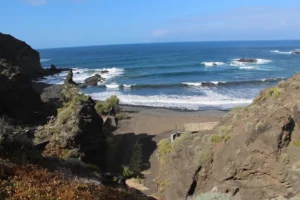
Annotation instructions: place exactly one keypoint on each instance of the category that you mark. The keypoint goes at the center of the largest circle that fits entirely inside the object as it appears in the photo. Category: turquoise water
(179, 75)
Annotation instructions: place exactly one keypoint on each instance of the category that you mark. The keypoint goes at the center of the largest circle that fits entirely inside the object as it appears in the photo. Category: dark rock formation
(92, 81)
(104, 71)
(296, 52)
(247, 60)
(69, 78)
(22, 55)
(17, 98)
(251, 149)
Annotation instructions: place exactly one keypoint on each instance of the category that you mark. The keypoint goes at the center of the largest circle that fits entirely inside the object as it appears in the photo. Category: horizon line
(140, 43)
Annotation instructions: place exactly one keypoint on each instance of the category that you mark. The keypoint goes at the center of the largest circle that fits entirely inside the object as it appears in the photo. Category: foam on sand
(211, 100)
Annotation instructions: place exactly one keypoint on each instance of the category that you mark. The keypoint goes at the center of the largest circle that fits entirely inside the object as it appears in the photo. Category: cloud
(234, 24)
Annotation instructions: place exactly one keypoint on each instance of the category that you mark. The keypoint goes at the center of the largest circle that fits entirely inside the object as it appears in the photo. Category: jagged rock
(296, 52)
(104, 71)
(77, 132)
(22, 55)
(93, 80)
(18, 100)
(69, 78)
(248, 60)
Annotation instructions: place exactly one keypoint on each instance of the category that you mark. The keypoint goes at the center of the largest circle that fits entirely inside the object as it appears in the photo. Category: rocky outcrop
(296, 52)
(76, 132)
(247, 60)
(254, 151)
(22, 55)
(17, 98)
(69, 78)
(92, 81)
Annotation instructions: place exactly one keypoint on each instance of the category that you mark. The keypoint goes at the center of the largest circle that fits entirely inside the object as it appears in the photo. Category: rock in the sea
(20, 54)
(296, 52)
(104, 71)
(93, 80)
(248, 60)
(69, 78)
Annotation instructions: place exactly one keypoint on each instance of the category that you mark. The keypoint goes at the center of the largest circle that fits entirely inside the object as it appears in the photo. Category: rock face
(247, 60)
(76, 132)
(17, 99)
(22, 55)
(255, 151)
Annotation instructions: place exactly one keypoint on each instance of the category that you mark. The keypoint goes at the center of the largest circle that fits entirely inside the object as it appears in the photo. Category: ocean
(185, 76)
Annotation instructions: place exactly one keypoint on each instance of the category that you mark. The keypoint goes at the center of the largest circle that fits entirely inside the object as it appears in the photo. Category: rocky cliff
(17, 99)
(252, 154)
(22, 55)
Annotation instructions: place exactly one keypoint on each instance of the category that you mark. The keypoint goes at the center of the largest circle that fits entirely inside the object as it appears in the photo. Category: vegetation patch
(220, 138)
(284, 158)
(136, 158)
(204, 157)
(224, 130)
(164, 148)
(183, 140)
(121, 116)
(297, 143)
(273, 92)
(104, 107)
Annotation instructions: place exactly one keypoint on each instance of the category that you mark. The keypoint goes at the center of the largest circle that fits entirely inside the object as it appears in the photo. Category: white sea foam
(281, 52)
(80, 74)
(44, 60)
(210, 100)
(112, 86)
(211, 64)
(127, 86)
(248, 67)
(260, 61)
(192, 84)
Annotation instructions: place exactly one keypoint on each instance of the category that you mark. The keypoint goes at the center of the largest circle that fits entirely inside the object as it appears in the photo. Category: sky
(68, 23)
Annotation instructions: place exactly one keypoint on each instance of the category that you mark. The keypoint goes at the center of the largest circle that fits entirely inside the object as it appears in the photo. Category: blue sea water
(192, 76)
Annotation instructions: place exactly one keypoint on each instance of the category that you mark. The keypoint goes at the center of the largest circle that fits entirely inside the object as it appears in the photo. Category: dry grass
(164, 148)
(32, 182)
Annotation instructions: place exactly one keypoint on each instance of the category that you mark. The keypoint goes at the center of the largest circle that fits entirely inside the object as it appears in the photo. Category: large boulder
(22, 55)
(92, 81)
(17, 98)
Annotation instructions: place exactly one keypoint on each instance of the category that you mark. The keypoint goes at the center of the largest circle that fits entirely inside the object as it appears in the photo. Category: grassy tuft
(164, 148)
(297, 143)
(182, 141)
(204, 157)
(220, 138)
(274, 91)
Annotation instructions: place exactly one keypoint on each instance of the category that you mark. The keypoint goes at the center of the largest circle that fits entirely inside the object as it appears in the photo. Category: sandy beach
(157, 121)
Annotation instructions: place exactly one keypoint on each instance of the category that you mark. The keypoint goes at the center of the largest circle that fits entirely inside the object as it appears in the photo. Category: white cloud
(160, 32)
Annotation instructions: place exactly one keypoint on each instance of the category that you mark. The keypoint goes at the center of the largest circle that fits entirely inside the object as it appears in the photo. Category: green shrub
(223, 130)
(121, 116)
(136, 158)
(107, 105)
(297, 143)
(182, 141)
(127, 172)
(220, 138)
(274, 91)
(204, 157)
(92, 167)
(164, 148)
(210, 196)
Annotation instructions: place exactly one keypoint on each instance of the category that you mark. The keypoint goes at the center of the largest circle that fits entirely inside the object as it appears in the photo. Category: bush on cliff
(106, 106)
